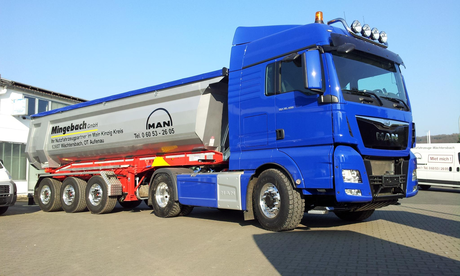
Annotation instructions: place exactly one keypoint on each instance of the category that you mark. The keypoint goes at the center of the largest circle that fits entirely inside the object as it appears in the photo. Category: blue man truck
(308, 118)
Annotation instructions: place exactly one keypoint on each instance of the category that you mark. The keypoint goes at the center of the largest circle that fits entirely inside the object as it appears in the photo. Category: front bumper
(8, 193)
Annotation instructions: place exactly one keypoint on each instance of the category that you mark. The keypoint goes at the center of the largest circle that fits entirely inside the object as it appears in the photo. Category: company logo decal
(158, 119)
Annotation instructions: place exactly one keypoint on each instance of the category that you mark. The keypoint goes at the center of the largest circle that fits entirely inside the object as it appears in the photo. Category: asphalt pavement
(419, 237)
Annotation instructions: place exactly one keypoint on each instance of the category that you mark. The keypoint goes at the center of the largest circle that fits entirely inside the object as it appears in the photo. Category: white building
(18, 101)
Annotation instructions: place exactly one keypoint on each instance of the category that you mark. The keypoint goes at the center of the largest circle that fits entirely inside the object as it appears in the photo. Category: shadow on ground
(334, 252)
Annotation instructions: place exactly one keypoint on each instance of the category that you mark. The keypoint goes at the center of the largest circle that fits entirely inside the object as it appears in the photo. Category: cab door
(300, 119)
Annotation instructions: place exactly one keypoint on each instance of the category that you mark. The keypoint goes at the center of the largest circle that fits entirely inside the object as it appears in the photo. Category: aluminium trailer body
(114, 143)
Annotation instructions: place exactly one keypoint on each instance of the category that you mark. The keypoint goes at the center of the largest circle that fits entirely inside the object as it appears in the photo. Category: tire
(424, 187)
(277, 206)
(354, 216)
(185, 210)
(3, 209)
(129, 204)
(96, 195)
(73, 195)
(49, 195)
(162, 194)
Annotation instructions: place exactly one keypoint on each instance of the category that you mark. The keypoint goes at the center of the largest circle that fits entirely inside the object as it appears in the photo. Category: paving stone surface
(419, 237)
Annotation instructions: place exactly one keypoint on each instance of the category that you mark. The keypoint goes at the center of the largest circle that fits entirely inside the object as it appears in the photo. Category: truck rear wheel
(162, 194)
(354, 216)
(48, 195)
(277, 206)
(97, 197)
(73, 195)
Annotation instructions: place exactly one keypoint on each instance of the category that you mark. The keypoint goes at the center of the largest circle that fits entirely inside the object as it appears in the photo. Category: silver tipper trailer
(187, 115)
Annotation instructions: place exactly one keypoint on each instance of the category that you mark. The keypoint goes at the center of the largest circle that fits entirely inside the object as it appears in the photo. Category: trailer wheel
(48, 195)
(185, 210)
(3, 209)
(97, 198)
(73, 195)
(354, 216)
(129, 204)
(162, 193)
(277, 206)
(424, 187)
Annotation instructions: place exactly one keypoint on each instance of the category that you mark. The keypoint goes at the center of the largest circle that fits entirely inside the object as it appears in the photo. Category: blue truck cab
(323, 107)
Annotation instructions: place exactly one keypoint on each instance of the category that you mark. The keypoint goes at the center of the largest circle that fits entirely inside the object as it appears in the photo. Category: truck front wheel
(162, 197)
(48, 195)
(73, 195)
(97, 197)
(354, 216)
(277, 206)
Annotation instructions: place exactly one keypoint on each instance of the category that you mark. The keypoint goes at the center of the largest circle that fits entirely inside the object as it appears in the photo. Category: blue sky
(92, 49)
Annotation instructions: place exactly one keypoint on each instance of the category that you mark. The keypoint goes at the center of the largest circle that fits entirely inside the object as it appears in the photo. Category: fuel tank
(181, 116)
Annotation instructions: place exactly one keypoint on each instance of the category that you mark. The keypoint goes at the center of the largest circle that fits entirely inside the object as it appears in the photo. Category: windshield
(372, 76)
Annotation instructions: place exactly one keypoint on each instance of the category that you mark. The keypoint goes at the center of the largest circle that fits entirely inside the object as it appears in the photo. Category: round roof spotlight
(383, 37)
(375, 34)
(366, 31)
(356, 27)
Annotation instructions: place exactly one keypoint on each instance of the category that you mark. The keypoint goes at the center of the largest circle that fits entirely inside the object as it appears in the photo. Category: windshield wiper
(396, 100)
(366, 94)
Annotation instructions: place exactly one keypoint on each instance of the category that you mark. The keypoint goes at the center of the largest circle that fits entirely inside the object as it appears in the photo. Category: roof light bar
(364, 32)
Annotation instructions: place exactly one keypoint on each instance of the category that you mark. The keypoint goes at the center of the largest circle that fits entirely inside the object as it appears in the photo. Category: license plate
(391, 181)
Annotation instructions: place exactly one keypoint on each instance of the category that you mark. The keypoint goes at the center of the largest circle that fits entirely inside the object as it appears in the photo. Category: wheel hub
(69, 194)
(95, 194)
(269, 200)
(162, 195)
(45, 194)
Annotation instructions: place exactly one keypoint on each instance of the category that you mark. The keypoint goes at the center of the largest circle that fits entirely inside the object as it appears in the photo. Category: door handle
(280, 134)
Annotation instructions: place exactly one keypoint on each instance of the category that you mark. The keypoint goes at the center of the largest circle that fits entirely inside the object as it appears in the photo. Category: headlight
(383, 37)
(356, 27)
(366, 31)
(351, 176)
(375, 34)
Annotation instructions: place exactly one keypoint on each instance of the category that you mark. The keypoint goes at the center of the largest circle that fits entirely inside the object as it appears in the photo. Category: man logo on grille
(386, 137)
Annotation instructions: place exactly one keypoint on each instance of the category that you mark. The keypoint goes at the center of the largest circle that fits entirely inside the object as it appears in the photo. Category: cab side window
(284, 77)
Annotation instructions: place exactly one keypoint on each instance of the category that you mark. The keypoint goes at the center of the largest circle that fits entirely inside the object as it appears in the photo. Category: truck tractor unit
(308, 118)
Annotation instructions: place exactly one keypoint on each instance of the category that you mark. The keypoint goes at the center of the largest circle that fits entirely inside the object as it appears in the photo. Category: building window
(37, 105)
(14, 159)
(30, 105)
(56, 105)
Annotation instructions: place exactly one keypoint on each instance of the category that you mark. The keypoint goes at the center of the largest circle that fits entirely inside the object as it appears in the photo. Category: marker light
(383, 37)
(356, 27)
(375, 34)
(351, 176)
(319, 17)
(366, 31)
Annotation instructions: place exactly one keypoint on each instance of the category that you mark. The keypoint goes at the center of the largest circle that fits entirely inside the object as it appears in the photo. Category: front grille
(3, 201)
(383, 134)
(4, 189)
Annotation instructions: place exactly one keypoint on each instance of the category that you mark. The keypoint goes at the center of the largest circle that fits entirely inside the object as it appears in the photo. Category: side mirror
(313, 70)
